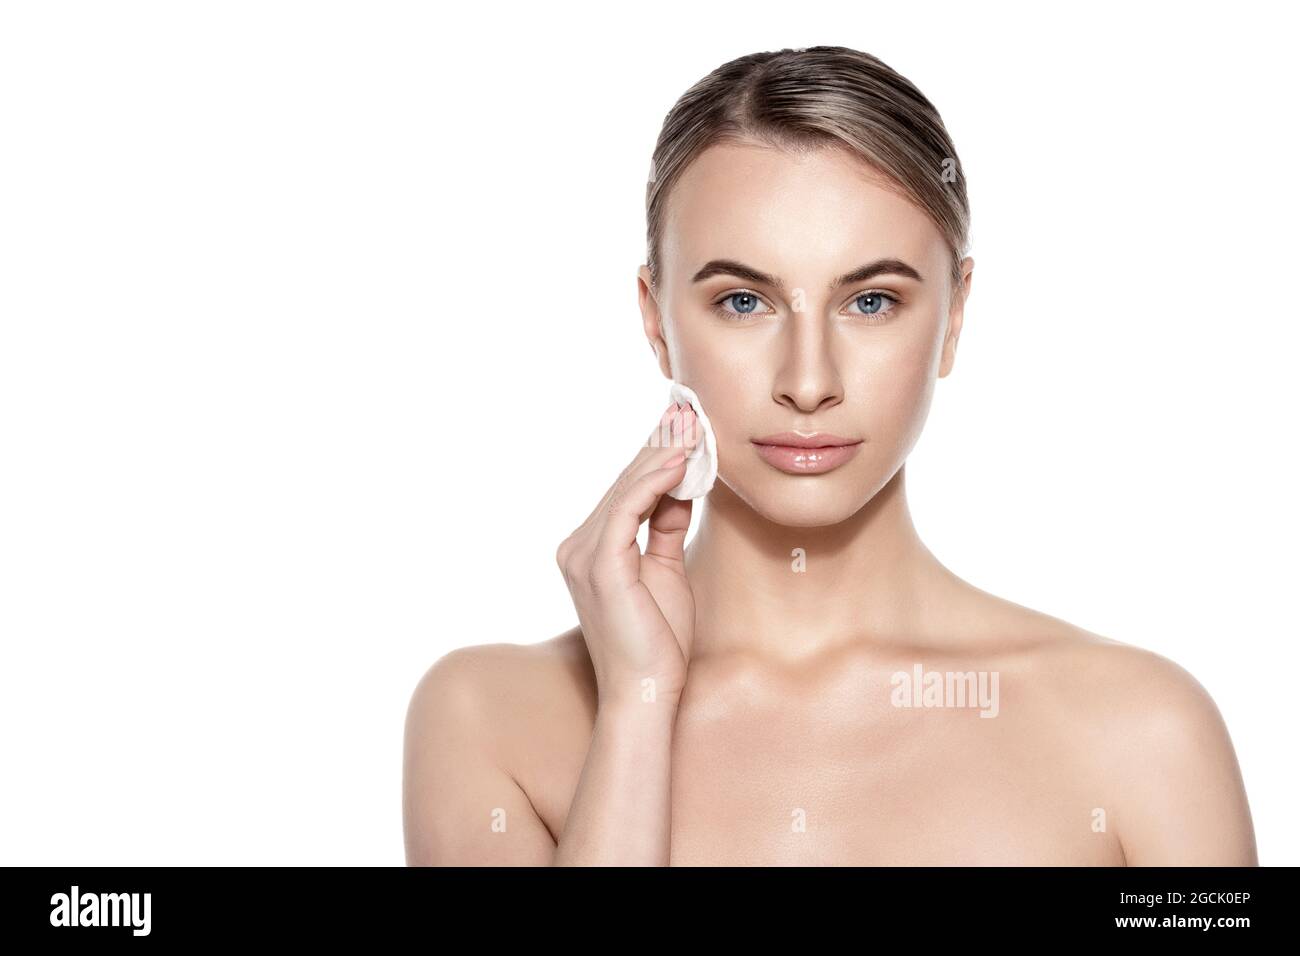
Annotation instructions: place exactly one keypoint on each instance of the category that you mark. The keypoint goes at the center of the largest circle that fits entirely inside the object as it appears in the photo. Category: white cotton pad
(702, 460)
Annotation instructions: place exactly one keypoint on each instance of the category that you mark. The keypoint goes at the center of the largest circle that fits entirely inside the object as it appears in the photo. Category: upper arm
(459, 806)
(1183, 802)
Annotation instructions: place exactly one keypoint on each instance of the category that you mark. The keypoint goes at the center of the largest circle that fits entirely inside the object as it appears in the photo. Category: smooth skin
(715, 705)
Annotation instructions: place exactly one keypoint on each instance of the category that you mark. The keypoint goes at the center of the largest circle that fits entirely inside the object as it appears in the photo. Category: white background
(300, 302)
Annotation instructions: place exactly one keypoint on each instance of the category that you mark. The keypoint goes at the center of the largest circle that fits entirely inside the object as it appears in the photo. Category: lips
(814, 454)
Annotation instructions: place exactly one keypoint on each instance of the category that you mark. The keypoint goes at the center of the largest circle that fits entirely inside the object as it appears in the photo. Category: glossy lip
(811, 440)
(813, 454)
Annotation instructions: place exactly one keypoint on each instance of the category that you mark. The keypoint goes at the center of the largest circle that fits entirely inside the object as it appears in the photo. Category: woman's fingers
(606, 542)
(626, 511)
(671, 518)
(639, 498)
(657, 449)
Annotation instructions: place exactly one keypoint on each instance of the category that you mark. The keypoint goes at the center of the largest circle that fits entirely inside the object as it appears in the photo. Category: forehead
(804, 216)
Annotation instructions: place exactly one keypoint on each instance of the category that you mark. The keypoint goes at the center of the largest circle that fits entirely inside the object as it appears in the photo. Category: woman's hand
(636, 610)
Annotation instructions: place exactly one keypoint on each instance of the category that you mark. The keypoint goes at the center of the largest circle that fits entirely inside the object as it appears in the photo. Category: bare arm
(1184, 802)
(620, 814)
(463, 807)
(460, 807)
(638, 618)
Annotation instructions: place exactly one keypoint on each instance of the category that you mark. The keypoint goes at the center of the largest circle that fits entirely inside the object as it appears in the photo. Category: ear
(956, 311)
(652, 322)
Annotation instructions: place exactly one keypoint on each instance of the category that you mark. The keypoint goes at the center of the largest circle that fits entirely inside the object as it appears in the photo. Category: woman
(806, 683)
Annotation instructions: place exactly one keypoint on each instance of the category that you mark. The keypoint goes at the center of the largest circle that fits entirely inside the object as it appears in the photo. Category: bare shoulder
(501, 690)
(1088, 673)
(1125, 687)
(480, 722)
(480, 675)
(1153, 734)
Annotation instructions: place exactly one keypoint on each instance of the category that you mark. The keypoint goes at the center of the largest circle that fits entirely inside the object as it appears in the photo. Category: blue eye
(875, 304)
(744, 304)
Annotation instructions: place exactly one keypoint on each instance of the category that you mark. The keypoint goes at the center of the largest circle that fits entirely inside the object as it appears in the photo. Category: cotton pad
(702, 460)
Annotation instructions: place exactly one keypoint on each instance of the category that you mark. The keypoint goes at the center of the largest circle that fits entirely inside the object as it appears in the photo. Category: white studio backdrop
(301, 304)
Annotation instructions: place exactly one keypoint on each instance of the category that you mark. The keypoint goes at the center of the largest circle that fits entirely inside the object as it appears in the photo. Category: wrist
(636, 707)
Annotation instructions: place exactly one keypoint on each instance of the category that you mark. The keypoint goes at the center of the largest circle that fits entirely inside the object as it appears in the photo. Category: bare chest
(826, 786)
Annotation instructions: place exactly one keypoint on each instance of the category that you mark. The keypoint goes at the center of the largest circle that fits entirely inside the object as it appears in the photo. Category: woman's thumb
(669, 523)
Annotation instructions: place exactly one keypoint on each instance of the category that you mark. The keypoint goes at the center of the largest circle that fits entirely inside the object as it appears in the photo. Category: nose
(808, 379)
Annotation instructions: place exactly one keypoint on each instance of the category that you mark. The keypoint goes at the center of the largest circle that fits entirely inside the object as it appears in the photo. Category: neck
(869, 577)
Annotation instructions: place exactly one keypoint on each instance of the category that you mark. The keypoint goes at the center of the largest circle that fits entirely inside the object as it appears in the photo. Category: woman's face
(765, 312)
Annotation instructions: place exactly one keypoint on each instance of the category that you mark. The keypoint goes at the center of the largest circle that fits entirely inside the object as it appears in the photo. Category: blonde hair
(809, 98)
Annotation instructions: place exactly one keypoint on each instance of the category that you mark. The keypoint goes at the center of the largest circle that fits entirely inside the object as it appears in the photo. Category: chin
(801, 502)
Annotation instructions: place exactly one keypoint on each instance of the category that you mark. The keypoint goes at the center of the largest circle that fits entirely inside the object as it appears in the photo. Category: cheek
(721, 372)
(894, 387)
(909, 374)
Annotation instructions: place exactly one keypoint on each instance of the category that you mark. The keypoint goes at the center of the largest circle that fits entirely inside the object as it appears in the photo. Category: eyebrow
(861, 274)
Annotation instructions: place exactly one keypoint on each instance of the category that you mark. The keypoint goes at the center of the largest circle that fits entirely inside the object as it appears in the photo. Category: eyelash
(871, 318)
